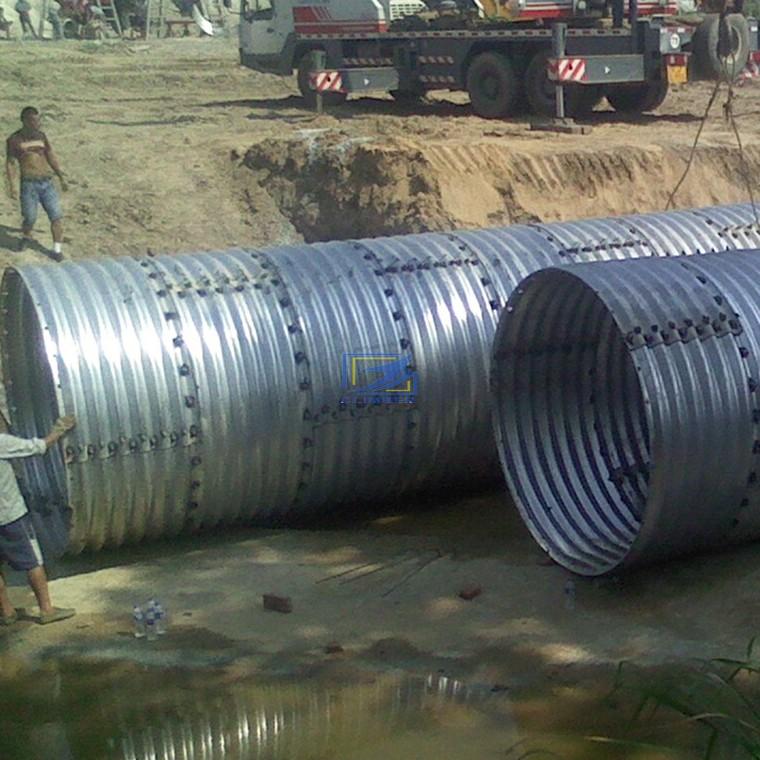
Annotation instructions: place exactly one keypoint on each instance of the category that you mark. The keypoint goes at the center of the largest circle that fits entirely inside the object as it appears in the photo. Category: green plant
(721, 695)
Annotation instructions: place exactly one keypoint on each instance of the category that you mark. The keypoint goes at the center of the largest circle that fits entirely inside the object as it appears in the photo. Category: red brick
(277, 603)
(470, 592)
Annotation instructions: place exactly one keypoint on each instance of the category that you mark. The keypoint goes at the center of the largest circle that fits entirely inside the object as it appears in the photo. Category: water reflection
(292, 722)
(132, 714)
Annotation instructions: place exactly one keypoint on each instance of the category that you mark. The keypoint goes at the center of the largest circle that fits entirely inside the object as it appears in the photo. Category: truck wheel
(638, 98)
(709, 61)
(492, 85)
(539, 89)
(309, 96)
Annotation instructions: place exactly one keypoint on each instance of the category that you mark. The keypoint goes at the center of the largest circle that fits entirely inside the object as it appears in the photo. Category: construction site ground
(171, 146)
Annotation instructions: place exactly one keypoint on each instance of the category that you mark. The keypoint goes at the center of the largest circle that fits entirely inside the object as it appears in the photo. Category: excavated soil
(173, 146)
(330, 185)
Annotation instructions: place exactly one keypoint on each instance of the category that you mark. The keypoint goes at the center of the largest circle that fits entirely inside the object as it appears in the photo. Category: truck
(510, 56)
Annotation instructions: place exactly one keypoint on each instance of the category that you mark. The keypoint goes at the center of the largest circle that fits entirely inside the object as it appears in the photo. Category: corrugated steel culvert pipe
(209, 387)
(627, 407)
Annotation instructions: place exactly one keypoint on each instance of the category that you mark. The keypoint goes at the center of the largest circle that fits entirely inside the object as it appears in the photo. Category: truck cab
(270, 29)
(266, 29)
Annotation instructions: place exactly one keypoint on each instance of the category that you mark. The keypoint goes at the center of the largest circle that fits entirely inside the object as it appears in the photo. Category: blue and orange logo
(374, 379)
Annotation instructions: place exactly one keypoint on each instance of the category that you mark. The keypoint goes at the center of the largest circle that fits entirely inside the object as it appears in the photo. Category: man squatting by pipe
(18, 542)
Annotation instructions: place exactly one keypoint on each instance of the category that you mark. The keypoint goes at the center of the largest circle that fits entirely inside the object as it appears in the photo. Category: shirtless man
(29, 147)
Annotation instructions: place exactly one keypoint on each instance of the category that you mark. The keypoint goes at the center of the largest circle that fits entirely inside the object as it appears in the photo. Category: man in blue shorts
(31, 150)
(18, 542)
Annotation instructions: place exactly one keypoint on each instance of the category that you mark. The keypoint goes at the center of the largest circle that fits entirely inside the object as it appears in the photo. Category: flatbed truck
(503, 53)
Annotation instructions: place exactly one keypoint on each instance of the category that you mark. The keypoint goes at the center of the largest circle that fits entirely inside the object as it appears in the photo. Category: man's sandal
(9, 619)
(58, 613)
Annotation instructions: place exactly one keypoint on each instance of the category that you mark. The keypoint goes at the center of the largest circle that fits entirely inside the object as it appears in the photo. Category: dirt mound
(330, 186)
(333, 186)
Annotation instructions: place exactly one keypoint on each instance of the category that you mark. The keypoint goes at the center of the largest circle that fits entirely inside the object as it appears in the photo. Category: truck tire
(492, 85)
(638, 98)
(539, 89)
(708, 60)
(309, 96)
(580, 100)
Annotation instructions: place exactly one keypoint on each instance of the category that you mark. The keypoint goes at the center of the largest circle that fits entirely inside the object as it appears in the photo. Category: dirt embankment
(330, 185)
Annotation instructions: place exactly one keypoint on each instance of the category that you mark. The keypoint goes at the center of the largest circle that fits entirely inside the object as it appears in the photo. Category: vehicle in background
(499, 51)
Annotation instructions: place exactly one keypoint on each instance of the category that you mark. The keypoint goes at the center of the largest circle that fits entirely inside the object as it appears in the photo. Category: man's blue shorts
(18, 544)
(34, 192)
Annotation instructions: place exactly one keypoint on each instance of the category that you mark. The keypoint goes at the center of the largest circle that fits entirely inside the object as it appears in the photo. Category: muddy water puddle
(74, 710)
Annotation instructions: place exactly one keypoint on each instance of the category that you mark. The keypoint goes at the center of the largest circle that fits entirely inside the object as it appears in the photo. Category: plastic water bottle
(139, 622)
(160, 619)
(150, 624)
(570, 595)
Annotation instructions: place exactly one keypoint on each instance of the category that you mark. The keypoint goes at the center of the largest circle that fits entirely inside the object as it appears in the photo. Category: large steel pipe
(627, 407)
(209, 387)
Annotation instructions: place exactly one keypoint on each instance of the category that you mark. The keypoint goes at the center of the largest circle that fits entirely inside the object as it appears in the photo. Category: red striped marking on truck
(567, 69)
(326, 81)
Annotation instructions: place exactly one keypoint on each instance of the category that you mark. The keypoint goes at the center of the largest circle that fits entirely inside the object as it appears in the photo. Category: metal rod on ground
(413, 572)
(353, 569)
(406, 557)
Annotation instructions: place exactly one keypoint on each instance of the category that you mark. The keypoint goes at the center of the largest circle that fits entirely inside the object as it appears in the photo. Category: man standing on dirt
(18, 542)
(23, 8)
(29, 147)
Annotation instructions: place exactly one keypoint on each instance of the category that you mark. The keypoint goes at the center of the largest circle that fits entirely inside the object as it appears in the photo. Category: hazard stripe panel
(436, 59)
(432, 79)
(567, 69)
(368, 61)
(326, 81)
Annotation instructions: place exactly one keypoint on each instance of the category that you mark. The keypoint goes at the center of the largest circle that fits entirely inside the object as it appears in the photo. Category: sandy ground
(397, 577)
(171, 146)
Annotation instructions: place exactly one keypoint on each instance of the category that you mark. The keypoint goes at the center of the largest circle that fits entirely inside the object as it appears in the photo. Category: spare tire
(720, 54)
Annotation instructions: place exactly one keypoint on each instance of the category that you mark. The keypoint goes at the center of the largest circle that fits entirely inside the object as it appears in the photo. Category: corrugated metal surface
(280, 723)
(627, 407)
(208, 386)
